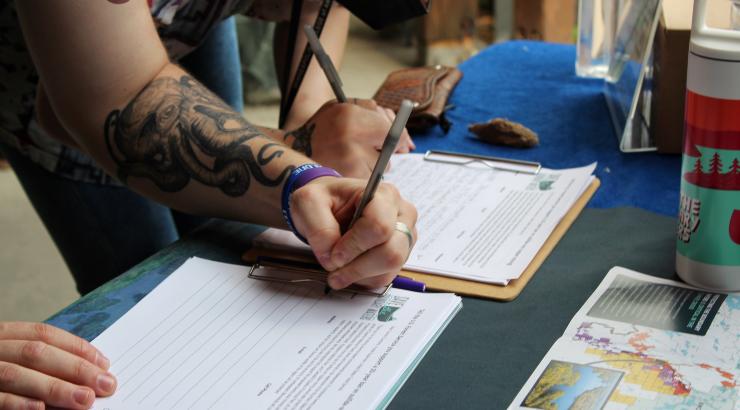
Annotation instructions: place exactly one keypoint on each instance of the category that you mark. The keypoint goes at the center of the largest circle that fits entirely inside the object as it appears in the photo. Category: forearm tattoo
(177, 130)
(302, 138)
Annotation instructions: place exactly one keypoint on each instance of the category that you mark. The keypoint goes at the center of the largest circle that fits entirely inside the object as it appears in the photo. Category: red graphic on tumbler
(688, 217)
(735, 226)
(712, 124)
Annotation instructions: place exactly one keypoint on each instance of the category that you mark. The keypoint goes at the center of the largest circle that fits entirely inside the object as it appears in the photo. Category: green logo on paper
(384, 307)
(546, 185)
(542, 182)
(386, 313)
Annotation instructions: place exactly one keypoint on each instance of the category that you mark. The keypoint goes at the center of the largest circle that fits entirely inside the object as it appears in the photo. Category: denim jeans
(102, 230)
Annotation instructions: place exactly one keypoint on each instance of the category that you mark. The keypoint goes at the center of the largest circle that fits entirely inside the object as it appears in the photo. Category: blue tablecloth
(535, 84)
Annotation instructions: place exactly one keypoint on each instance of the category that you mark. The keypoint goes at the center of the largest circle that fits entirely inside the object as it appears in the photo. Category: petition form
(482, 224)
(209, 337)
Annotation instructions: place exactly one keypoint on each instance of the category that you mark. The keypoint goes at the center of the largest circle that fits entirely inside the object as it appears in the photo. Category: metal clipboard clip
(280, 270)
(497, 163)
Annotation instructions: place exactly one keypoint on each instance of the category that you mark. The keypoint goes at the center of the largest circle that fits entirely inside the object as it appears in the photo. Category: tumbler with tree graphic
(708, 236)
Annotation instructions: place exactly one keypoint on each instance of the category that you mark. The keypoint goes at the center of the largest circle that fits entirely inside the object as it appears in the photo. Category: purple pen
(404, 283)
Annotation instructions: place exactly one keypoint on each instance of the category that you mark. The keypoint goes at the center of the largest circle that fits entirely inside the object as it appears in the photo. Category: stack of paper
(210, 337)
(643, 343)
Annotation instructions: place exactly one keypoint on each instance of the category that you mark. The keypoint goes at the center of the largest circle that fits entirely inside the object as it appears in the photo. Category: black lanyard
(288, 97)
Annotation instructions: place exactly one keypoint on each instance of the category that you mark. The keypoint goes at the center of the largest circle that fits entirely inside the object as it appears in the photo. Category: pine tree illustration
(734, 168)
(715, 165)
(697, 166)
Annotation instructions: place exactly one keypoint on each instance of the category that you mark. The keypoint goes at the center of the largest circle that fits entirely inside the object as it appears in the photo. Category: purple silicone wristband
(311, 174)
(298, 178)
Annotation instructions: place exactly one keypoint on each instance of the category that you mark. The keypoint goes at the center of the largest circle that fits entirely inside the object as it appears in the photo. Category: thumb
(311, 211)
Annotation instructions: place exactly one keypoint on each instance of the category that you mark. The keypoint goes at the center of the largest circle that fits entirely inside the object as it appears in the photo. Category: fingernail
(336, 282)
(106, 382)
(325, 261)
(340, 258)
(102, 361)
(83, 396)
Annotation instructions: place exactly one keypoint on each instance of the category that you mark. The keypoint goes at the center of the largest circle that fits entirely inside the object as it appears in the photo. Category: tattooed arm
(177, 135)
(112, 88)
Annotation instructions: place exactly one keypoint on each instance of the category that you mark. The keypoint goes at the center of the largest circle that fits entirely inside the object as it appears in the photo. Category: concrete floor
(34, 281)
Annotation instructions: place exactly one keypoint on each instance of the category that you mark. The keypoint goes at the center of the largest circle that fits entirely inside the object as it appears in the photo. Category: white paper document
(209, 337)
(481, 224)
(640, 342)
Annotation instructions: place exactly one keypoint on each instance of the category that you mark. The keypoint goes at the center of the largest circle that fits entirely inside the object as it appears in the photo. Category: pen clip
(496, 163)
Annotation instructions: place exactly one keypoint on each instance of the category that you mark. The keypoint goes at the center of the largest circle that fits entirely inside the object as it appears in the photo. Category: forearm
(112, 89)
(179, 144)
(315, 89)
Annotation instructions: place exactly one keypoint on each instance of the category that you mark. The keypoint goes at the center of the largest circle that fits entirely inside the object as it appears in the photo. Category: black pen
(325, 62)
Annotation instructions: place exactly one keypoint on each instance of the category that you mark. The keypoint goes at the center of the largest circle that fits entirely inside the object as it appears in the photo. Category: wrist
(298, 178)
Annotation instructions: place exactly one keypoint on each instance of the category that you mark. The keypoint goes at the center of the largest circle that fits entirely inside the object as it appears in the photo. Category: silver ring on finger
(404, 229)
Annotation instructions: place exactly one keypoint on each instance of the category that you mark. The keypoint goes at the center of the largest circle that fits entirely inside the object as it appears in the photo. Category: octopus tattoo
(177, 130)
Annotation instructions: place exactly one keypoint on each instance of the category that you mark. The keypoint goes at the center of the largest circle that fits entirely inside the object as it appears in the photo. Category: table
(474, 364)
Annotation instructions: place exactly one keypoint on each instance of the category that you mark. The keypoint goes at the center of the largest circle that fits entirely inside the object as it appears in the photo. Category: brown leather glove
(428, 87)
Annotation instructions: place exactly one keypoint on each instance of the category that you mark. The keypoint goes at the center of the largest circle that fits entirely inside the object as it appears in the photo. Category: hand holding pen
(336, 279)
(335, 82)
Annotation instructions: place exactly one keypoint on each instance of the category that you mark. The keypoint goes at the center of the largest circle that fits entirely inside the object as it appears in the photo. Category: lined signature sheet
(210, 337)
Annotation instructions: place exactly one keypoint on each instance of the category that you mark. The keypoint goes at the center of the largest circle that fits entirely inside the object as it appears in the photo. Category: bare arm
(315, 89)
(112, 87)
(114, 93)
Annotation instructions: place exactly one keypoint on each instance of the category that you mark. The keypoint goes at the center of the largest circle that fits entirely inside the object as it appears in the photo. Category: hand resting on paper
(373, 251)
(41, 365)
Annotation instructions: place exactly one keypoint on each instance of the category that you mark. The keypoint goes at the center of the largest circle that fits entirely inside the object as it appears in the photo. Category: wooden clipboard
(466, 287)
(514, 288)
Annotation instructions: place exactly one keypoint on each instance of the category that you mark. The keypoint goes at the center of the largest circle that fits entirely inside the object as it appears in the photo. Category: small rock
(504, 132)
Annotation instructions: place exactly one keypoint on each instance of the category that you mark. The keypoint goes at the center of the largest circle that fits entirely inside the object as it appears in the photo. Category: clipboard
(514, 288)
(465, 287)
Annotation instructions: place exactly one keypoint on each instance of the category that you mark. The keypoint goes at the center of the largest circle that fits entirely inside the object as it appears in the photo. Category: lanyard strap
(288, 97)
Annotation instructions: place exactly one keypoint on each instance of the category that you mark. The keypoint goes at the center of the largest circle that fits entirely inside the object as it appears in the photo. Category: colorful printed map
(658, 365)
(601, 363)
